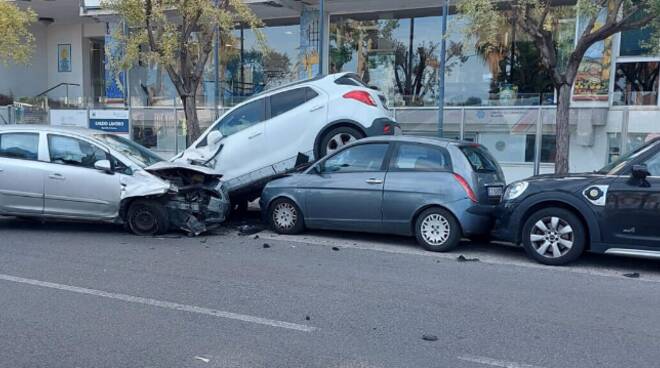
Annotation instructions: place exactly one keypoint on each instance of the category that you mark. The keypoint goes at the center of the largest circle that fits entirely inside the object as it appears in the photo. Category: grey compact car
(437, 190)
(81, 174)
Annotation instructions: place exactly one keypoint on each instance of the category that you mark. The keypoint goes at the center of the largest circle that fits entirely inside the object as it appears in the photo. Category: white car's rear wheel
(337, 138)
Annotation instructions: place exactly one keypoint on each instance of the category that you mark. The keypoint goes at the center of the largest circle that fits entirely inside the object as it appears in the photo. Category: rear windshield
(479, 158)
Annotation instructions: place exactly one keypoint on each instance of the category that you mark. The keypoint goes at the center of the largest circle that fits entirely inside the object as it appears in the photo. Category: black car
(615, 210)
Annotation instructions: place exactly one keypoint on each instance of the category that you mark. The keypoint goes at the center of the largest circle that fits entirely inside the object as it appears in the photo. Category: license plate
(495, 191)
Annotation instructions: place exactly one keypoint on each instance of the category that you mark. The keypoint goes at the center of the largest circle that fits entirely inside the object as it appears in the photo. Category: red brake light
(387, 129)
(466, 187)
(361, 96)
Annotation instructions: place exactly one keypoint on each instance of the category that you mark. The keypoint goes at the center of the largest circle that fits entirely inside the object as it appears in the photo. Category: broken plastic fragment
(426, 337)
(335, 249)
(462, 258)
(634, 275)
(266, 245)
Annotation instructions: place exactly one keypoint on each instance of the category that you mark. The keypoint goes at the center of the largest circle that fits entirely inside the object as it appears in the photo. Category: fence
(522, 138)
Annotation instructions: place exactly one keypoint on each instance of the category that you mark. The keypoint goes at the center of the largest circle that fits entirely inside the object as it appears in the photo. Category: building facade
(498, 95)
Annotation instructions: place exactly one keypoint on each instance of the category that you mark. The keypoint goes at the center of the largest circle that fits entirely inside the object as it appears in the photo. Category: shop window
(548, 148)
(636, 83)
(635, 140)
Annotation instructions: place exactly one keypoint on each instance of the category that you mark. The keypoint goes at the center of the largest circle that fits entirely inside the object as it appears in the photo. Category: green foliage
(16, 40)
(176, 34)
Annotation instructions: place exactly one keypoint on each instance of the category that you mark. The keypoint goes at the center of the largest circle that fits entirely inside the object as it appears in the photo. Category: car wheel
(285, 217)
(337, 138)
(147, 218)
(553, 236)
(437, 230)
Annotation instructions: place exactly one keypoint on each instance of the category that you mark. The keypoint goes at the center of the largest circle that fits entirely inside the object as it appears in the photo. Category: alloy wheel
(552, 237)
(435, 229)
(338, 141)
(285, 216)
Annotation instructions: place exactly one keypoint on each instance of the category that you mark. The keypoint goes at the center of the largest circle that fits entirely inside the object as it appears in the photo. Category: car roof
(437, 141)
(49, 128)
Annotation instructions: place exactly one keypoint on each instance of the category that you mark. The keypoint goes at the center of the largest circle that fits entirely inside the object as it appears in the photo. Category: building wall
(65, 34)
(31, 79)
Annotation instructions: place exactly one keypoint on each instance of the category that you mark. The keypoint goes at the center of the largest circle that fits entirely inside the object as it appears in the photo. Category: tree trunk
(563, 132)
(192, 123)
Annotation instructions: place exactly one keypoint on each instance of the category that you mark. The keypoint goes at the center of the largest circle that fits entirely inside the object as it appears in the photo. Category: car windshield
(616, 166)
(135, 152)
(479, 158)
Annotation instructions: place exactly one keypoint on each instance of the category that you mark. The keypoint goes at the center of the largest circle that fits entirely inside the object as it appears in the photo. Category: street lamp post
(441, 72)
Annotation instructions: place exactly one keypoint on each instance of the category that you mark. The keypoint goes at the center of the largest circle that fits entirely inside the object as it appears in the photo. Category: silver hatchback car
(81, 174)
(437, 190)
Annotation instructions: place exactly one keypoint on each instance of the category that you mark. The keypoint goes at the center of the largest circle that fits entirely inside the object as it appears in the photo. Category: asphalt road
(80, 295)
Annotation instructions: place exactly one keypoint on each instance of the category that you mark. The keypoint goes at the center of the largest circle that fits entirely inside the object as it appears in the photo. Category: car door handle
(316, 108)
(56, 176)
(254, 135)
(374, 181)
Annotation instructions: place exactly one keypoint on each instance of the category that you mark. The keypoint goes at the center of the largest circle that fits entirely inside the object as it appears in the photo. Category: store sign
(112, 121)
(69, 118)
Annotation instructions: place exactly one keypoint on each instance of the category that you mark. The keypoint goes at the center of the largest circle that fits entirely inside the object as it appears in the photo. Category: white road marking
(495, 362)
(408, 250)
(161, 304)
(205, 360)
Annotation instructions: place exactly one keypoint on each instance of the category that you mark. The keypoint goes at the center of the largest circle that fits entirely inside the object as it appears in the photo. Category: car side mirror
(103, 165)
(640, 172)
(214, 137)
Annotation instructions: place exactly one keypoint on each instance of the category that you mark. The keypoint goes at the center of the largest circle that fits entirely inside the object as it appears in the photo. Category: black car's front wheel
(554, 236)
(285, 217)
(437, 230)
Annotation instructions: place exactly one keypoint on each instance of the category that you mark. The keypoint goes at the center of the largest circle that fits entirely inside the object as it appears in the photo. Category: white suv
(268, 134)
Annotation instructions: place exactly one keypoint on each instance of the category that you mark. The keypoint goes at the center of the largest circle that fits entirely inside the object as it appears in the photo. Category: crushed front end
(196, 200)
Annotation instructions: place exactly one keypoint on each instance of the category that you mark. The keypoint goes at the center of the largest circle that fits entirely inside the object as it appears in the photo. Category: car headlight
(515, 190)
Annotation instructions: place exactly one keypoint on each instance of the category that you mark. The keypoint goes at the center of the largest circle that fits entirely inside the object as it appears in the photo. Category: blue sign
(111, 121)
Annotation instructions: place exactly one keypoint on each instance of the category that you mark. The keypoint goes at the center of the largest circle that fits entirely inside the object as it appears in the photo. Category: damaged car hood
(167, 165)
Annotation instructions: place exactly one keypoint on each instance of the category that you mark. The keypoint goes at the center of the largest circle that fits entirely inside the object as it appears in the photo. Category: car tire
(285, 217)
(437, 230)
(147, 218)
(554, 236)
(336, 138)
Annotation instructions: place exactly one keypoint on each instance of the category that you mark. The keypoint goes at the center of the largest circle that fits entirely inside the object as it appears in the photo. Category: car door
(418, 175)
(73, 187)
(243, 144)
(296, 117)
(346, 190)
(21, 174)
(632, 212)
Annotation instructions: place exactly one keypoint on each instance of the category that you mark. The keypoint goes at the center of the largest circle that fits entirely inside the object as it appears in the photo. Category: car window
(20, 145)
(365, 157)
(74, 152)
(653, 164)
(287, 100)
(243, 118)
(479, 158)
(420, 157)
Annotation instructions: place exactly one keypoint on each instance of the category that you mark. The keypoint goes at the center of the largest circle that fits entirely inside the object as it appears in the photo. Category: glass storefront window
(634, 141)
(400, 57)
(249, 69)
(636, 83)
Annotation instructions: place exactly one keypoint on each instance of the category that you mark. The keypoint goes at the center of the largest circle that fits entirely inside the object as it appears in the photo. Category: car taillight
(466, 187)
(361, 96)
(387, 129)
